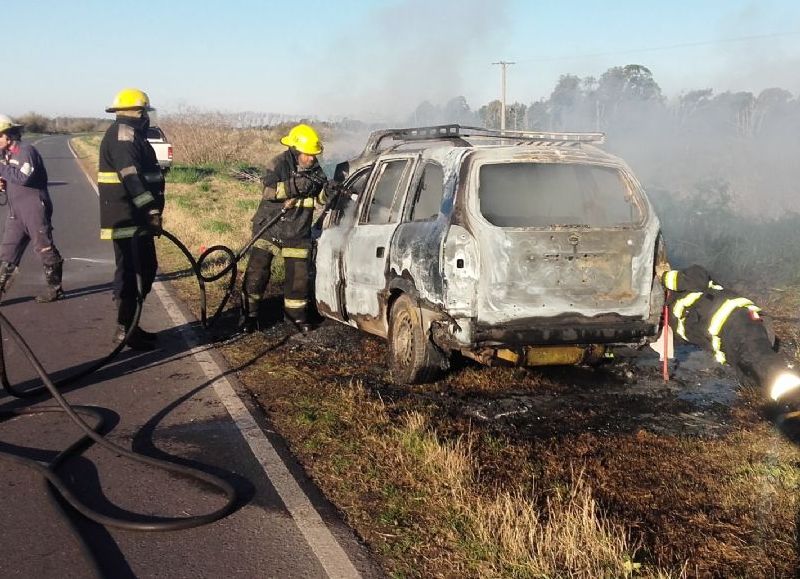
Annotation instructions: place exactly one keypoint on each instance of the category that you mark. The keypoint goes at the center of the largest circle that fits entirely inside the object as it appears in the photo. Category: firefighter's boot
(126, 311)
(6, 274)
(298, 318)
(52, 275)
(248, 317)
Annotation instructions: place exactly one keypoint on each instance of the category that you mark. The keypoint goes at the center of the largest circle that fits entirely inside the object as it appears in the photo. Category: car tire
(413, 357)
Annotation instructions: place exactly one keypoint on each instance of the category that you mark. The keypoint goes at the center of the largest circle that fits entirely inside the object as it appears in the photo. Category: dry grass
(87, 148)
(436, 496)
(418, 499)
(514, 533)
(569, 535)
(213, 139)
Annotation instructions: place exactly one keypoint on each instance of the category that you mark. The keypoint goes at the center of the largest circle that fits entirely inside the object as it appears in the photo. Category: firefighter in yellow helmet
(707, 315)
(293, 182)
(131, 188)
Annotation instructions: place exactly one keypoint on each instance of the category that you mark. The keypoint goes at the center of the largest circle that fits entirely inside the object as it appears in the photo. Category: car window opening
(429, 194)
(552, 194)
(384, 207)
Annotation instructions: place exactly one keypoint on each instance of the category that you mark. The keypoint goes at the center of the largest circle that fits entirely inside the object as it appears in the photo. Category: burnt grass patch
(692, 469)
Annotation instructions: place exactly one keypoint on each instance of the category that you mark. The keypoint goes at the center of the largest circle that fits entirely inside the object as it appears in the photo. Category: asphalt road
(179, 402)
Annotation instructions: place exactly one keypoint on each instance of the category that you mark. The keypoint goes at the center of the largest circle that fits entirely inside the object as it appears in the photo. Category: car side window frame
(398, 198)
(351, 187)
(419, 186)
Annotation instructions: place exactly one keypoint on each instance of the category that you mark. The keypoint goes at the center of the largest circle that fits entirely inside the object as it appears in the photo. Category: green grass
(216, 226)
(188, 174)
(185, 202)
(248, 205)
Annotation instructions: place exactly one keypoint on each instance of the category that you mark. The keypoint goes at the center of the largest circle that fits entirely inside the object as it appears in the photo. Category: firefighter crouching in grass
(131, 188)
(23, 178)
(293, 182)
(707, 315)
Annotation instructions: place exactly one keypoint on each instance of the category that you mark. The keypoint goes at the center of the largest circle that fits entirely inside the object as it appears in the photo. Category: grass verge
(437, 495)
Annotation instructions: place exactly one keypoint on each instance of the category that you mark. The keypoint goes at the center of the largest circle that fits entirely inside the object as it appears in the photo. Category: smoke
(760, 62)
(406, 53)
(723, 173)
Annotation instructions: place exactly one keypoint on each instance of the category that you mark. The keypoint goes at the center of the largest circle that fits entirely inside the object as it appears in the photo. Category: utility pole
(503, 64)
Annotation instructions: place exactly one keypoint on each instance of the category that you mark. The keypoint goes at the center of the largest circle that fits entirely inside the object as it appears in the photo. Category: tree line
(38, 123)
(624, 98)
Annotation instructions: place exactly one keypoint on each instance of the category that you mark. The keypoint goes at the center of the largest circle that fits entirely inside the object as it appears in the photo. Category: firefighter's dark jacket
(283, 179)
(709, 316)
(706, 314)
(130, 181)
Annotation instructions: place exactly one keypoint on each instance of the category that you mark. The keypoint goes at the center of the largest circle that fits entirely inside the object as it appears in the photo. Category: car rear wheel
(413, 358)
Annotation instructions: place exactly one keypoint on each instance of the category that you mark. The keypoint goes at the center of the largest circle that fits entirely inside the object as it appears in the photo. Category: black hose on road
(49, 471)
(92, 434)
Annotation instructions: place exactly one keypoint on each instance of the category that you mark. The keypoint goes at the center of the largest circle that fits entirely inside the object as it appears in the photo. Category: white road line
(317, 535)
(90, 260)
(319, 538)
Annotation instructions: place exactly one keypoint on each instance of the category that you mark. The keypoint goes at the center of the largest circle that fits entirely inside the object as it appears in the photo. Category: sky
(377, 60)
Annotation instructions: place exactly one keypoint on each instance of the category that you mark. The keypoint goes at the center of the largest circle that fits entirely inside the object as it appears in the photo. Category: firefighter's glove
(154, 223)
(307, 184)
(341, 196)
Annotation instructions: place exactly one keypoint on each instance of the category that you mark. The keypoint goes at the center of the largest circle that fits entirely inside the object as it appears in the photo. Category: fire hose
(93, 434)
(233, 258)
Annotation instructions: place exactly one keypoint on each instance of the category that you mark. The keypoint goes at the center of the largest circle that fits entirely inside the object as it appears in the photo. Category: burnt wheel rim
(404, 339)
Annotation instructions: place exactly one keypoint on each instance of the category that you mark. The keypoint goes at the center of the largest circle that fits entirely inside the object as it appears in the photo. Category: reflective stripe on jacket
(700, 308)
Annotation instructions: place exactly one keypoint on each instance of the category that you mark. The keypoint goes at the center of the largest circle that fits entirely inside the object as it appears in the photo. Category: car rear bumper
(604, 329)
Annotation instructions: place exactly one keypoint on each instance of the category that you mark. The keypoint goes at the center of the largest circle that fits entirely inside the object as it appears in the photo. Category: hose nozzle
(785, 385)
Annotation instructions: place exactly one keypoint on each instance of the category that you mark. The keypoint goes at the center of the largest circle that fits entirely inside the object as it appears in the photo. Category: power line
(658, 48)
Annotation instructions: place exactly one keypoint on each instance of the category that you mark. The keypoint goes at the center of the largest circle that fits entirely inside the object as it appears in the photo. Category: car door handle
(379, 252)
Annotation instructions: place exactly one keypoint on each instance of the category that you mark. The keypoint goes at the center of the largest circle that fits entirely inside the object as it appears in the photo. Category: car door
(367, 249)
(329, 279)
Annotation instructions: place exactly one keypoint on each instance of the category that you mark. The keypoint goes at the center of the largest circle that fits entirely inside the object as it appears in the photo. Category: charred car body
(513, 247)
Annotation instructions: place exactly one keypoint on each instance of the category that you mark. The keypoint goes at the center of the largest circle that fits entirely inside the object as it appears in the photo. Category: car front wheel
(413, 357)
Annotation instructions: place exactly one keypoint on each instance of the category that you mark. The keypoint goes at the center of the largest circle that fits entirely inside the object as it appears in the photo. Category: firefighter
(131, 187)
(293, 182)
(732, 328)
(29, 211)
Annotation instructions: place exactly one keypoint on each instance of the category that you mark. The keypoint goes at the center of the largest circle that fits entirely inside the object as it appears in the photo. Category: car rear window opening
(548, 194)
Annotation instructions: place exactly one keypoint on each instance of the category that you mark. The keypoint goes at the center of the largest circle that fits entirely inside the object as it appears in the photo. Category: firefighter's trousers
(129, 266)
(296, 285)
(748, 348)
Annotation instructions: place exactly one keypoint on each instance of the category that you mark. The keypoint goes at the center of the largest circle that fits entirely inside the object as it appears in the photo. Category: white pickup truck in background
(162, 147)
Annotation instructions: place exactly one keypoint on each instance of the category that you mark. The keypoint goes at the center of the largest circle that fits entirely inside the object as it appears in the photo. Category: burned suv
(504, 246)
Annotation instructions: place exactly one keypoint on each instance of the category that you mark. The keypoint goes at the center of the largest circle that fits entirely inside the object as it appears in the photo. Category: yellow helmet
(304, 139)
(6, 123)
(130, 99)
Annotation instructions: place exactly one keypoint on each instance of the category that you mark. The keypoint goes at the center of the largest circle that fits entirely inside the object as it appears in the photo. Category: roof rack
(459, 132)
